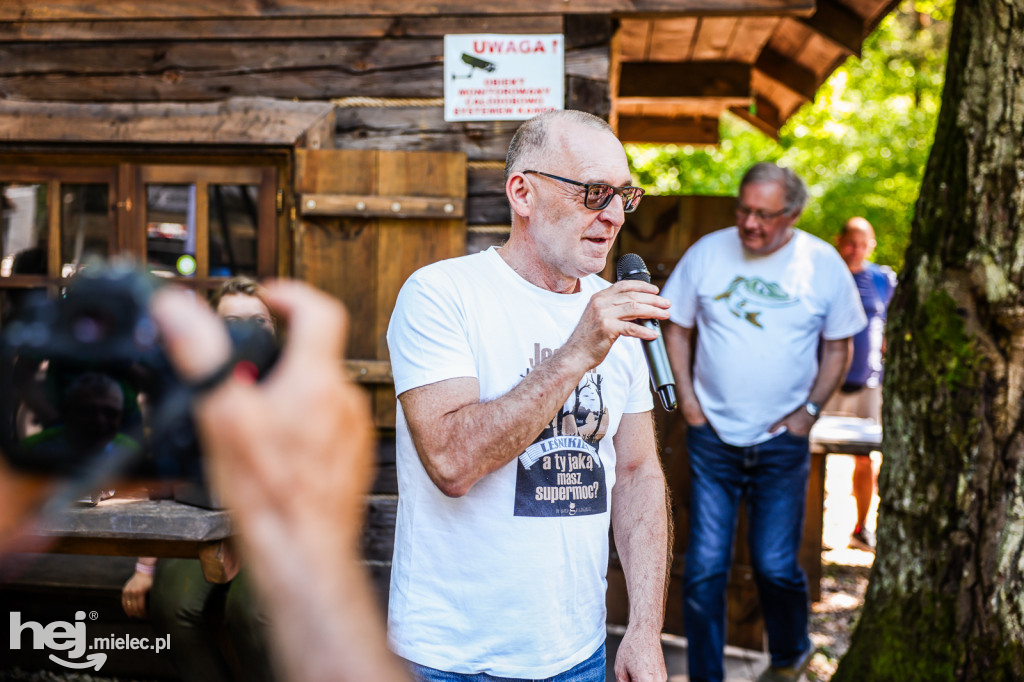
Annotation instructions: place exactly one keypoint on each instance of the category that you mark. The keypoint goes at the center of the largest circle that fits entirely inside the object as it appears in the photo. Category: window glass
(171, 229)
(23, 229)
(84, 225)
(233, 223)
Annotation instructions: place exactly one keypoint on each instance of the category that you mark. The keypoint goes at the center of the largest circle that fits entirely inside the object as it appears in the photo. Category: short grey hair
(791, 183)
(532, 135)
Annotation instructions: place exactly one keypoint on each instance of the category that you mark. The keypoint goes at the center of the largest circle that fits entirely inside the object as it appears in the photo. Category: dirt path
(845, 572)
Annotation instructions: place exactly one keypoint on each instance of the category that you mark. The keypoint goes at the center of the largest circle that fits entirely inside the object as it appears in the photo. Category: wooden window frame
(127, 175)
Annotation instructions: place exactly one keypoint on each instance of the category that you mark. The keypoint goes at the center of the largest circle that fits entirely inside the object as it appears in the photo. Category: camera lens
(88, 330)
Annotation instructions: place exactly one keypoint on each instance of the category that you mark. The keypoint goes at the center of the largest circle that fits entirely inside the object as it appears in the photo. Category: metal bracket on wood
(352, 206)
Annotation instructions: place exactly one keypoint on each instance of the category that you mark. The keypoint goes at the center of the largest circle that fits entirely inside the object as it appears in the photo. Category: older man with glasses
(762, 296)
(524, 431)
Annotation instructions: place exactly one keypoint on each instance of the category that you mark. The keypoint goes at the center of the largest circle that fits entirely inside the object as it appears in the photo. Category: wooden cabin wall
(385, 76)
(421, 125)
(395, 60)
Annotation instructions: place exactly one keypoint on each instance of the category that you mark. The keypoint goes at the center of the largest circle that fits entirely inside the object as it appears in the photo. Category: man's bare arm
(679, 345)
(460, 439)
(641, 524)
(831, 371)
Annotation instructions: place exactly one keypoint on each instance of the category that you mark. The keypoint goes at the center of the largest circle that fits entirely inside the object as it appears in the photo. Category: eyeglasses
(597, 195)
(760, 216)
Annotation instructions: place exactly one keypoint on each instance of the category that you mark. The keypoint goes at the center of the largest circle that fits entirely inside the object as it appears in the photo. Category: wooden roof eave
(246, 121)
(81, 10)
(787, 69)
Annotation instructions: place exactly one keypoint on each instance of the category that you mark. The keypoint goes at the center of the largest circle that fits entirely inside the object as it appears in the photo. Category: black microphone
(631, 266)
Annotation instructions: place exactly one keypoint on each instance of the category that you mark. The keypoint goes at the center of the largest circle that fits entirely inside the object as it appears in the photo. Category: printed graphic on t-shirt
(748, 297)
(561, 473)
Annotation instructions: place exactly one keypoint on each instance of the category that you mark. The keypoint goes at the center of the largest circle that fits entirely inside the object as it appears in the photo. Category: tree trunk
(946, 597)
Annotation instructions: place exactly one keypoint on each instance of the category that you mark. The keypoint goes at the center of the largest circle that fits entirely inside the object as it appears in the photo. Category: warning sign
(491, 77)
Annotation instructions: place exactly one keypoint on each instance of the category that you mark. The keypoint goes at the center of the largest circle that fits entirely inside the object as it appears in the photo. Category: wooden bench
(78, 559)
(137, 527)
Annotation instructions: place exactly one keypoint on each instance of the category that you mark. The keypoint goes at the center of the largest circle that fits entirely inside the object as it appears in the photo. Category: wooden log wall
(420, 125)
(332, 59)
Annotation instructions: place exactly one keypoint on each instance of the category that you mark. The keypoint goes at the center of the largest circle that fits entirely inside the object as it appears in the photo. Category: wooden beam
(63, 10)
(679, 106)
(216, 70)
(789, 73)
(780, 93)
(373, 206)
(766, 118)
(662, 130)
(239, 121)
(420, 128)
(370, 371)
(839, 24)
(881, 12)
(272, 29)
(672, 40)
(213, 70)
(660, 80)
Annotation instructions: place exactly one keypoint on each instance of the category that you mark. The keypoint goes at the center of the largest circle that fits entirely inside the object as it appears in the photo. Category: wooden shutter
(367, 220)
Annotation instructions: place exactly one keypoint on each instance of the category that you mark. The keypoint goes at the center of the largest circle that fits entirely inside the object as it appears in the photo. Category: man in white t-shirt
(524, 431)
(762, 297)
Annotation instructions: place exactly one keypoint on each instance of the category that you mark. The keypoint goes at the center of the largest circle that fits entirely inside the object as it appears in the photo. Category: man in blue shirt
(861, 392)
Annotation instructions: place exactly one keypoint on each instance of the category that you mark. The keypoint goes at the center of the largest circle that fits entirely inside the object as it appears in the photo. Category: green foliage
(861, 146)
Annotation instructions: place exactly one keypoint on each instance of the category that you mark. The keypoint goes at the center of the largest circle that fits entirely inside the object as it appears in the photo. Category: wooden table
(138, 527)
(830, 435)
(846, 435)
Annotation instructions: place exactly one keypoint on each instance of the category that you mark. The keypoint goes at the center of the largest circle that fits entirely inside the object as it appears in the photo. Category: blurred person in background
(860, 395)
(176, 595)
(761, 298)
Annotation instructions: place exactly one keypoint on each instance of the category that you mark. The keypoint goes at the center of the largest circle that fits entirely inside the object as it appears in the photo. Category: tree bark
(946, 596)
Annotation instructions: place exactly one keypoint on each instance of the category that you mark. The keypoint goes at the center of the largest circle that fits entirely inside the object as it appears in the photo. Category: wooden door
(368, 220)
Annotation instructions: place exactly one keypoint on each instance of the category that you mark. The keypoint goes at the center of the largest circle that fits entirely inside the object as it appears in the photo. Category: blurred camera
(85, 382)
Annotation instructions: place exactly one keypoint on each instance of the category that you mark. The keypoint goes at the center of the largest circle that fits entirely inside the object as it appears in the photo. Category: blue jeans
(773, 476)
(590, 670)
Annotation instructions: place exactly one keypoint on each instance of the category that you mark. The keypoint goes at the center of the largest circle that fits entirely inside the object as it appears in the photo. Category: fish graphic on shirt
(746, 297)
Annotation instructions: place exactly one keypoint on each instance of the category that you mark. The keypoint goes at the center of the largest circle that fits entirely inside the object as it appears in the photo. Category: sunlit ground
(845, 570)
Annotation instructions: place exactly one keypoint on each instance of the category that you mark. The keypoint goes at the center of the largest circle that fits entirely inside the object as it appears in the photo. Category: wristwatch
(813, 409)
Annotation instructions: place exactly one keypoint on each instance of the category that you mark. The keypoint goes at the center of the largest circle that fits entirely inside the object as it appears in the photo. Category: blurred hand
(798, 422)
(292, 454)
(134, 593)
(292, 458)
(693, 414)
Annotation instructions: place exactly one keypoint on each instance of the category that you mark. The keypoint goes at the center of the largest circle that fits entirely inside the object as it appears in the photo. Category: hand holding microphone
(631, 266)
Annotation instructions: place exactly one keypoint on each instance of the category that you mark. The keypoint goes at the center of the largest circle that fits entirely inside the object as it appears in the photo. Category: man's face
(243, 307)
(763, 225)
(571, 240)
(855, 246)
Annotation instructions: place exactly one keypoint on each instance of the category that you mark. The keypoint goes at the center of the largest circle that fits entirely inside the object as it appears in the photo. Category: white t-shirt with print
(508, 579)
(759, 320)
